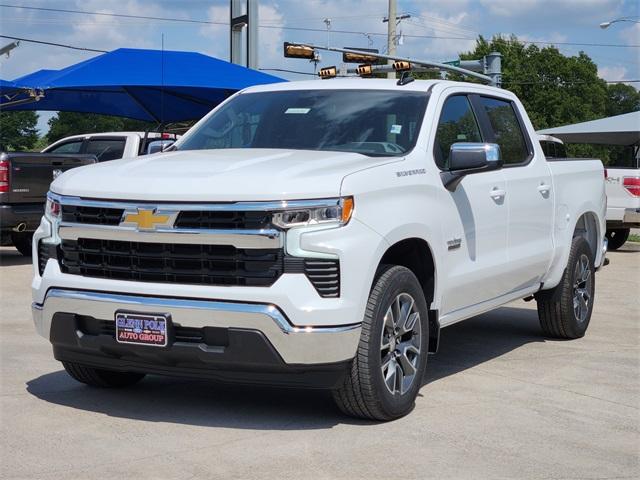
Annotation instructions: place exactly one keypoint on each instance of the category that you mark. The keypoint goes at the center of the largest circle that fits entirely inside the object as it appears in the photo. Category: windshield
(370, 122)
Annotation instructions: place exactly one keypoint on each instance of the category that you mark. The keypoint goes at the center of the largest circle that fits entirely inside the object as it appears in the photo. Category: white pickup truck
(317, 234)
(112, 145)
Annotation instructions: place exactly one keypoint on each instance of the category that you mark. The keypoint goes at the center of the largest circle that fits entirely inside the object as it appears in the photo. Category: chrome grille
(171, 263)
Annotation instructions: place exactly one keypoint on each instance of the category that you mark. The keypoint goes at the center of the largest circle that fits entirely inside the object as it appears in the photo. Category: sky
(437, 30)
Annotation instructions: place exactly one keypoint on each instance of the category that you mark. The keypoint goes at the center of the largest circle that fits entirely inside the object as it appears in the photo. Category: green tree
(621, 99)
(555, 89)
(18, 130)
(65, 124)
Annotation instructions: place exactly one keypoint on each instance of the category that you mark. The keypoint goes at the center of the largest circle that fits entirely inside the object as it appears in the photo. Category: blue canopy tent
(16, 94)
(152, 85)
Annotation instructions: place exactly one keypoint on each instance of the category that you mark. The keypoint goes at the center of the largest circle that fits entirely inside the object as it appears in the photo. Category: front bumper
(290, 346)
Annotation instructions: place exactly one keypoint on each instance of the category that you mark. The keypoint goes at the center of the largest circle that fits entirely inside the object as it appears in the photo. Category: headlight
(325, 213)
(52, 210)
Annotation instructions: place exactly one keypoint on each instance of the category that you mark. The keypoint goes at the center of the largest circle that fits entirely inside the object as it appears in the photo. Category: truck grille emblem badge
(145, 219)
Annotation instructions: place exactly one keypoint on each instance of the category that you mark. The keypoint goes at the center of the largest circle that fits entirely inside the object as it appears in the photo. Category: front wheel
(565, 311)
(387, 371)
(617, 237)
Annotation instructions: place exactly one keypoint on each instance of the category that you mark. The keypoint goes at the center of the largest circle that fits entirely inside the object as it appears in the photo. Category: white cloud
(549, 37)
(587, 9)
(613, 72)
(631, 34)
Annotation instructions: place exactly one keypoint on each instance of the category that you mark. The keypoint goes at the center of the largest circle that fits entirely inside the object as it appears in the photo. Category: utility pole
(391, 34)
(243, 50)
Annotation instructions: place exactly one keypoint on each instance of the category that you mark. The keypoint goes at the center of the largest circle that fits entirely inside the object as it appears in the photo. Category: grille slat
(324, 275)
(227, 220)
(171, 263)
(91, 215)
(43, 256)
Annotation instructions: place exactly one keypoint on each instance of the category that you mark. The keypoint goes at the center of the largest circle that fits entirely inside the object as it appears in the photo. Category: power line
(569, 82)
(42, 42)
(301, 29)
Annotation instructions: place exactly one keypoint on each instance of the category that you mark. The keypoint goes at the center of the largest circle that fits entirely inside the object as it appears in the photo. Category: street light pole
(6, 50)
(605, 25)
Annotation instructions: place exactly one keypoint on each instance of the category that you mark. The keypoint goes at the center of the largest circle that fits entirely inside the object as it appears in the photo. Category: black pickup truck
(24, 182)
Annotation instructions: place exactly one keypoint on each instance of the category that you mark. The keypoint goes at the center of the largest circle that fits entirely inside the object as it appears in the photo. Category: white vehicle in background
(317, 234)
(623, 196)
(113, 145)
(622, 181)
(552, 147)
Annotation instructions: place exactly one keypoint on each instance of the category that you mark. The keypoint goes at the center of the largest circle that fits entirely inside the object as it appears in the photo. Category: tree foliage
(558, 90)
(555, 89)
(18, 130)
(622, 99)
(65, 124)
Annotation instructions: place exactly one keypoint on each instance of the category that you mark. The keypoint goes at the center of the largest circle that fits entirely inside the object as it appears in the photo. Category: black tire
(364, 393)
(22, 242)
(617, 237)
(101, 378)
(559, 316)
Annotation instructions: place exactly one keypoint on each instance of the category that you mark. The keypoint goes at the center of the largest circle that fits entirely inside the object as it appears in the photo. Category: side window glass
(106, 149)
(457, 124)
(67, 147)
(506, 129)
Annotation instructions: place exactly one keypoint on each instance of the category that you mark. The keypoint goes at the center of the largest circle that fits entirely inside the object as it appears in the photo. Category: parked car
(317, 234)
(623, 196)
(28, 175)
(24, 183)
(113, 145)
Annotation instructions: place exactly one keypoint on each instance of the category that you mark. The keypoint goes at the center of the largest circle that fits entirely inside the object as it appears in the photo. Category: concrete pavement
(500, 401)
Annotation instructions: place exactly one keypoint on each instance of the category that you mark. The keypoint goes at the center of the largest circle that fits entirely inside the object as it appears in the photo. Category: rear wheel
(387, 371)
(565, 311)
(22, 242)
(101, 378)
(617, 237)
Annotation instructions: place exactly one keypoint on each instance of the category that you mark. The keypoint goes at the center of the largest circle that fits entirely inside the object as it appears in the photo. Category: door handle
(497, 194)
(544, 189)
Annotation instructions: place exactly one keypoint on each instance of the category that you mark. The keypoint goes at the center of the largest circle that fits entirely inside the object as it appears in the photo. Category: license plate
(142, 329)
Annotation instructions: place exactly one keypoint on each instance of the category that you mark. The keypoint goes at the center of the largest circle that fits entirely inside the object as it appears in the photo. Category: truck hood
(229, 175)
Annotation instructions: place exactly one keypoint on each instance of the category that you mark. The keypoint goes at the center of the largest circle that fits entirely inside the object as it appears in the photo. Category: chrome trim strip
(238, 238)
(190, 206)
(296, 345)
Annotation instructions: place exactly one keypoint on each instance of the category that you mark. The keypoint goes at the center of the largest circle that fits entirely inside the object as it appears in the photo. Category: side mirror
(469, 158)
(158, 146)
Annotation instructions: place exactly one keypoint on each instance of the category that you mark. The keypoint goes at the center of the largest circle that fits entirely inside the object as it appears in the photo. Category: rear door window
(507, 130)
(106, 148)
(457, 124)
(72, 146)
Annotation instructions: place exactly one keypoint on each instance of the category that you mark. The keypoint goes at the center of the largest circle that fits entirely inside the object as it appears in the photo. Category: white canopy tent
(619, 130)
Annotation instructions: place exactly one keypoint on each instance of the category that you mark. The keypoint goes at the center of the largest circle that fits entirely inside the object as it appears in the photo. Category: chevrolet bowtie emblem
(145, 219)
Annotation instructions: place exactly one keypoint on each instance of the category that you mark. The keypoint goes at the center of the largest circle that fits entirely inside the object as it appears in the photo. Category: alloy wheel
(582, 287)
(400, 344)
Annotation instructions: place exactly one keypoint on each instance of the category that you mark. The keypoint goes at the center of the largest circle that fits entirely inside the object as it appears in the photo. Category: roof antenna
(405, 77)
(162, 87)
